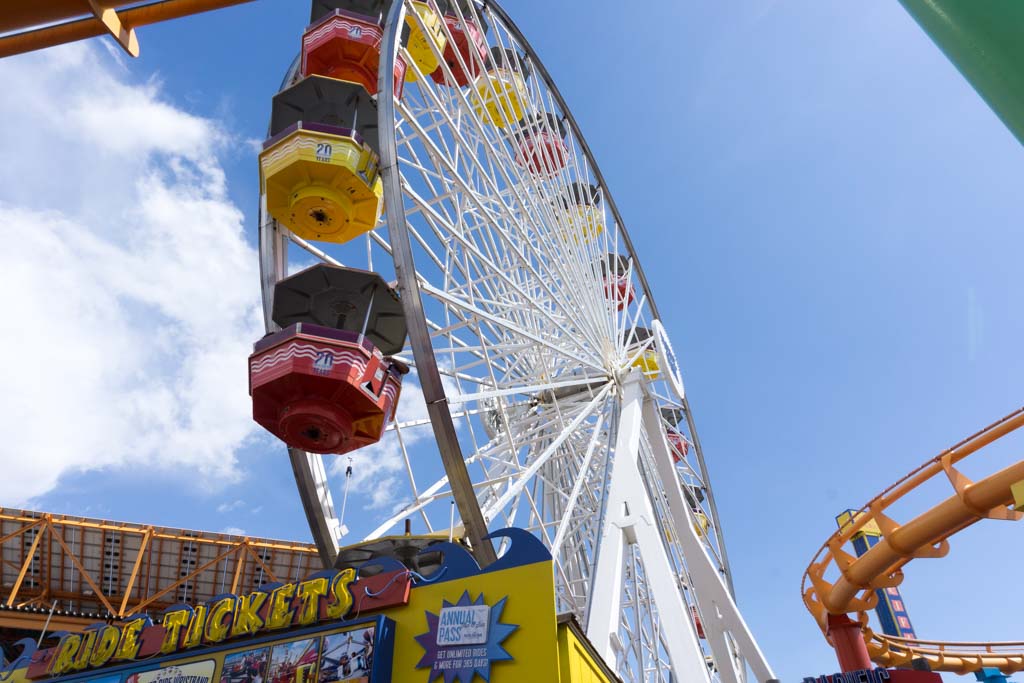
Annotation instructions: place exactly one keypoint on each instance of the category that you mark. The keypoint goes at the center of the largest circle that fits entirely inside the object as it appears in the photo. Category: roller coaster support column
(845, 634)
(985, 41)
(629, 519)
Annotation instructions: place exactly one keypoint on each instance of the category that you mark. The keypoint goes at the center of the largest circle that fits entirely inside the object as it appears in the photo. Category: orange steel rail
(924, 536)
(86, 570)
(37, 24)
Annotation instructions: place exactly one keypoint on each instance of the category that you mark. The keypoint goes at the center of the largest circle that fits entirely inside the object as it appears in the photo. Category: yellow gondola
(322, 182)
(700, 526)
(425, 39)
(583, 216)
(499, 96)
(647, 361)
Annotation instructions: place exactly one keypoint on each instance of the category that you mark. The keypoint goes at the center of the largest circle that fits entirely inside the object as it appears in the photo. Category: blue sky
(829, 218)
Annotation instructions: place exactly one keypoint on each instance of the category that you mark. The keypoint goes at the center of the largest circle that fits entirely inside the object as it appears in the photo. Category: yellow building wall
(575, 662)
(531, 604)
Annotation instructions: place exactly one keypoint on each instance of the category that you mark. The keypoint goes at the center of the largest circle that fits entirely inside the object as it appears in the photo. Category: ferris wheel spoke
(577, 489)
(492, 217)
(530, 390)
(515, 304)
(329, 259)
(470, 309)
(318, 253)
(479, 198)
(489, 270)
(539, 461)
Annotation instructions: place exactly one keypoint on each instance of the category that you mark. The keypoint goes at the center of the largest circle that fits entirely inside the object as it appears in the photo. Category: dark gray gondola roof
(339, 297)
(318, 99)
(616, 263)
(582, 194)
(370, 8)
(507, 58)
(672, 415)
(546, 121)
(640, 335)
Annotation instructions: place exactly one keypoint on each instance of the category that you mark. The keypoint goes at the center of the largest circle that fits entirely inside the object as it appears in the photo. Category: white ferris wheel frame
(632, 523)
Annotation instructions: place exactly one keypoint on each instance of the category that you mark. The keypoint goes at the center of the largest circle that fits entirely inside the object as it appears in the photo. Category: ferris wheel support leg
(629, 519)
(721, 617)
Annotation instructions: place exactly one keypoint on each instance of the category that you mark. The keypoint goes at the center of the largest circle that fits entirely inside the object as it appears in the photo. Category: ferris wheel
(421, 157)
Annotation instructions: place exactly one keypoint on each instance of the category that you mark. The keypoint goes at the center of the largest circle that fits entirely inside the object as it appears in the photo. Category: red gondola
(346, 46)
(469, 41)
(696, 622)
(323, 390)
(619, 289)
(678, 443)
(541, 148)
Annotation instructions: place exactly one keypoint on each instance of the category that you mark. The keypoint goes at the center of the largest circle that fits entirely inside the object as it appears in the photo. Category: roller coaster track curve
(925, 536)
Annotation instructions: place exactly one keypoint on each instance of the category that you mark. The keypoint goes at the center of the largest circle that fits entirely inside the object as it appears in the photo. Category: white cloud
(233, 531)
(229, 506)
(130, 294)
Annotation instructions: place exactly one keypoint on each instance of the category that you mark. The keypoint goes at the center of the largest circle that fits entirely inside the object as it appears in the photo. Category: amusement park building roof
(86, 570)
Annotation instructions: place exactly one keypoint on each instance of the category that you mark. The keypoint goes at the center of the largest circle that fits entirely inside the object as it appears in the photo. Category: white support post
(721, 617)
(629, 518)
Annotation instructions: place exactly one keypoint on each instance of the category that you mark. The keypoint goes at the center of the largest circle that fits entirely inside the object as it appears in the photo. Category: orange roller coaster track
(27, 25)
(927, 535)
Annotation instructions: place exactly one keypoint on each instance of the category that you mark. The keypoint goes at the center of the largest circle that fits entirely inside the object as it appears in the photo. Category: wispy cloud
(230, 506)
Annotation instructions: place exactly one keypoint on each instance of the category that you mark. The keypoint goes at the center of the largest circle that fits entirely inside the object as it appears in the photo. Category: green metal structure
(985, 41)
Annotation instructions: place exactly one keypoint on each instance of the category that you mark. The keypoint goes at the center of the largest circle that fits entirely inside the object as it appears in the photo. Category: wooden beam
(22, 530)
(266, 569)
(41, 599)
(19, 15)
(91, 27)
(135, 570)
(193, 574)
(26, 564)
(239, 563)
(33, 621)
(85, 575)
